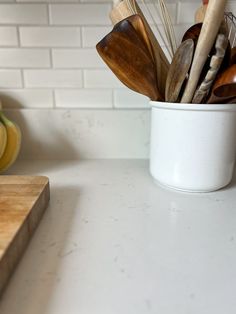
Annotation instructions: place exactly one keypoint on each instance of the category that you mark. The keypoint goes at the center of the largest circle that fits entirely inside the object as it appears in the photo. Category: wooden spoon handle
(210, 28)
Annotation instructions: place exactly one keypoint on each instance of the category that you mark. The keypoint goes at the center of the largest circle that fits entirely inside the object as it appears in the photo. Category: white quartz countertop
(112, 242)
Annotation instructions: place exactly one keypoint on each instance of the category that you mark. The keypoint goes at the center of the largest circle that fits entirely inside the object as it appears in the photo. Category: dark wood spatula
(129, 59)
(138, 24)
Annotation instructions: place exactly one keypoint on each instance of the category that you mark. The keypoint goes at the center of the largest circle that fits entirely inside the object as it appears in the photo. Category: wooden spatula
(210, 28)
(129, 59)
(179, 68)
(138, 24)
(123, 10)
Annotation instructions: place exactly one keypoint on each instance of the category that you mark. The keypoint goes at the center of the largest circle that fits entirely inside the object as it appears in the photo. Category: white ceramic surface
(193, 146)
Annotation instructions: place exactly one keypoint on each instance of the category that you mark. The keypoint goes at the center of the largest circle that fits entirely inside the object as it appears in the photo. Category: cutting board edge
(23, 237)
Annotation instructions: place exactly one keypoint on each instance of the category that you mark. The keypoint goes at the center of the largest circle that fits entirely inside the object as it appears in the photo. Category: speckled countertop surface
(113, 242)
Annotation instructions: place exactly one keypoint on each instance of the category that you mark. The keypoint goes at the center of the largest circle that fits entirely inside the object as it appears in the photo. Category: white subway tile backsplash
(23, 14)
(101, 79)
(186, 11)
(76, 58)
(151, 12)
(48, 56)
(84, 98)
(231, 6)
(24, 58)
(8, 36)
(180, 30)
(26, 98)
(10, 78)
(80, 14)
(125, 98)
(92, 35)
(50, 36)
(53, 78)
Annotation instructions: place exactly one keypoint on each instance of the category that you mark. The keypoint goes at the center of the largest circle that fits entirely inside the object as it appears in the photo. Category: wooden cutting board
(23, 200)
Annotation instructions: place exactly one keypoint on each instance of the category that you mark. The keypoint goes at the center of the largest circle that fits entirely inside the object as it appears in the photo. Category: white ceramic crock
(193, 146)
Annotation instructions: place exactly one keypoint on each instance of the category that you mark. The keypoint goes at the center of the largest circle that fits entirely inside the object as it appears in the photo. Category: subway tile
(8, 36)
(24, 58)
(83, 98)
(92, 35)
(95, 1)
(50, 36)
(101, 79)
(26, 98)
(186, 11)
(23, 14)
(10, 78)
(7, 1)
(125, 98)
(80, 14)
(152, 13)
(231, 6)
(180, 30)
(47, 1)
(53, 78)
(76, 58)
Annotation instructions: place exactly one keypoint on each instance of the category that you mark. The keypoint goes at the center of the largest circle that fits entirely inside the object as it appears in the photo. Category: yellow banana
(3, 138)
(13, 143)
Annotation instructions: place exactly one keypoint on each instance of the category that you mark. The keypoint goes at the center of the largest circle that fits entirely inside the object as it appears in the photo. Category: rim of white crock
(193, 107)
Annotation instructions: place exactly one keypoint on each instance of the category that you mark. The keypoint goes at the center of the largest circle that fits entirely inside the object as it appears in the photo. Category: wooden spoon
(178, 70)
(193, 32)
(210, 28)
(233, 56)
(225, 86)
(129, 59)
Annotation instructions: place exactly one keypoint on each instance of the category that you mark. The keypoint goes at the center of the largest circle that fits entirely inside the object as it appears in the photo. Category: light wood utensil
(210, 28)
(215, 64)
(129, 59)
(123, 10)
(178, 70)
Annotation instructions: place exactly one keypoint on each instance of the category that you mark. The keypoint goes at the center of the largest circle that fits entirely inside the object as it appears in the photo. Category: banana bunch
(10, 141)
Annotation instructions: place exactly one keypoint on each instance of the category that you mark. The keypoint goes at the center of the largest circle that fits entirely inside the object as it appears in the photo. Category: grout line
(18, 37)
(113, 98)
(22, 78)
(83, 79)
(51, 58)
(48, 14)
(53, 99)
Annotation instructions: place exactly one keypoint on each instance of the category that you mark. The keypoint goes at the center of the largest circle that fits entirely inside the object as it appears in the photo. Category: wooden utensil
(23, 200)
(193, 33)
(123, 10)
(224, 88)
(178, 70)
(233, 56)
(139, 26)
(210, 28)
(129, 59)
(215, 64)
